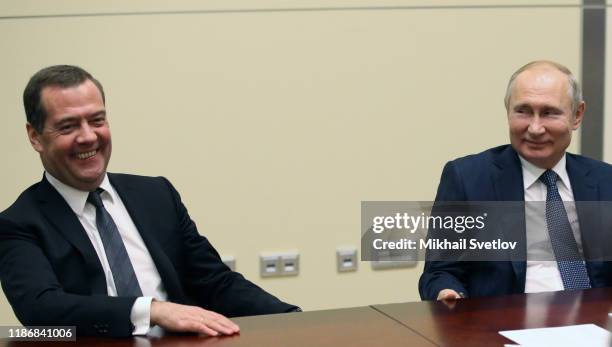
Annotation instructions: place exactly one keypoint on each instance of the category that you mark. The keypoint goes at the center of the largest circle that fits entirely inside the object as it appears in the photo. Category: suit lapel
(508, 180)
(136, 206)
(583, 187)
(586, 195)
(57, 211)
(508, 184)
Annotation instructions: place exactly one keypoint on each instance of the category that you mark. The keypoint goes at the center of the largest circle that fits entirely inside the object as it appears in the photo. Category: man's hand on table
(183, 318)
(448, 294)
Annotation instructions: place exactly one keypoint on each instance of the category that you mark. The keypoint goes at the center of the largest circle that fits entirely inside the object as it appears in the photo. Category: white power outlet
(346, 259)
(279, 264)
(269, 265)
(290, 264)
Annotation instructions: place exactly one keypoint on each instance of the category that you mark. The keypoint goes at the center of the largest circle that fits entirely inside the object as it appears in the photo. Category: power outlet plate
(269, 266)
(279, 264)
(346, 259)
(290, 264)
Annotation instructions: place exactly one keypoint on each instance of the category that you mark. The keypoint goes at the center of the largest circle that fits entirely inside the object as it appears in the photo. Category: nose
(535, 127)
(86, 134)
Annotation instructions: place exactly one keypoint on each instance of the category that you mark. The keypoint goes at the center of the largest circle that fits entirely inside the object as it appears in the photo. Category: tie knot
(95, 199)
(549, 178)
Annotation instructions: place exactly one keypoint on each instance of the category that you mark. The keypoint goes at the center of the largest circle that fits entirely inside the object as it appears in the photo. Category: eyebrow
(516, 107)
(552, 108)
(71, 118)
(543, 107)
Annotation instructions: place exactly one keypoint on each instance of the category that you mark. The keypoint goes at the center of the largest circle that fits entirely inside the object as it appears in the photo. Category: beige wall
(275, 123)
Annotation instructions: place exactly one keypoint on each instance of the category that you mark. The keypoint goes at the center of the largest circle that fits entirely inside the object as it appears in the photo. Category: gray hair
(574, 91)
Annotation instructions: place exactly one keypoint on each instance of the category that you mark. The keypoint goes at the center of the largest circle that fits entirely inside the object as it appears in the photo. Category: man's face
(75, 143)
(540, 115)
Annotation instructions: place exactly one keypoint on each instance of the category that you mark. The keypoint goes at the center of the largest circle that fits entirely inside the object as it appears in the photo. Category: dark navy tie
(571, 266)
(124, 276)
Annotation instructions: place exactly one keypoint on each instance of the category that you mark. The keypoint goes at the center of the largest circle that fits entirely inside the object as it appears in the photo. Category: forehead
(77, 100)
(542, 83)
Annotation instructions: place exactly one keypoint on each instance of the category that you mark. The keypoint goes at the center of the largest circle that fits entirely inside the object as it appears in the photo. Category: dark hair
(64, 76)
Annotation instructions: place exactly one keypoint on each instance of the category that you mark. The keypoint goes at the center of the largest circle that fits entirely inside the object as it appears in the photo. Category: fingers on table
(213, 323)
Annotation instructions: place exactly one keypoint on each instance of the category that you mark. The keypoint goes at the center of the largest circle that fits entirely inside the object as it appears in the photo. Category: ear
(578, 116)
(35, 138)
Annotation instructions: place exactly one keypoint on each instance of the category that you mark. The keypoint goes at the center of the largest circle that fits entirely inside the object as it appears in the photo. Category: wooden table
(467, 322)
(477, 322)
(360, 326)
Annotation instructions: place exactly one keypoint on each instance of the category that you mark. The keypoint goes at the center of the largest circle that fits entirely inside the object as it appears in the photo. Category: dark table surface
(477, 322)
(360, 326)
(466, 322)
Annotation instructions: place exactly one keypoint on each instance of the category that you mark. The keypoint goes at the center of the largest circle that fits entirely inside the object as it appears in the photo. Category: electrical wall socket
(279, 264)
(229, 261)
(269, 265)
(346, 259)
(290, 264)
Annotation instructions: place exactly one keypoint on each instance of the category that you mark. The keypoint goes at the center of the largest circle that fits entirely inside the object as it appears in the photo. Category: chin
(538, 160)
(541, 153)
(91, 179)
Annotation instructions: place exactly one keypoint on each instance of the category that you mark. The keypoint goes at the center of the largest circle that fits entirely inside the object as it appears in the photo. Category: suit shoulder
(477, 161)
(590, 163)
(24, 201)
(136, 180)
(147, 186)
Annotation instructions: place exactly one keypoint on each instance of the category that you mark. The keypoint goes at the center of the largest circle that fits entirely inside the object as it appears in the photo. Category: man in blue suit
(544, 106)
(112, 254)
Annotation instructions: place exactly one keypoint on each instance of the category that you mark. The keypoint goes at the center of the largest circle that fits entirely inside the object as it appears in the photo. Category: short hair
(574, 90)
(63, 76)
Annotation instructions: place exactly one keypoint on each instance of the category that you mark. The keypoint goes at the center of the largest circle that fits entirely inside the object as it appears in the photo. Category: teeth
(86, 155)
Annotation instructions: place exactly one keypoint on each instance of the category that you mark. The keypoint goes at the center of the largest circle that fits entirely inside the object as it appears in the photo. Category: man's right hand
(448, 294)
(183, 318)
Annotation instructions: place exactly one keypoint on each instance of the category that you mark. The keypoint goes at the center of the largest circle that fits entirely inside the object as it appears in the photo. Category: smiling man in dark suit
(544, 106)
(112, 254)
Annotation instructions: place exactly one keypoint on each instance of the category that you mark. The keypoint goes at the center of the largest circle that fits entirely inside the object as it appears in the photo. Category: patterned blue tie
(571, 266)
(124, 276)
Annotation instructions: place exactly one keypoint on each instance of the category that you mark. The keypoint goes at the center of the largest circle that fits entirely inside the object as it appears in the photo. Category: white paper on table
(572, 335)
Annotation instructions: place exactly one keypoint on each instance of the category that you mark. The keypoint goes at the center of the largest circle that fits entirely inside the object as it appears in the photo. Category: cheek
(516, 128)
(104, 135)
(561, 130)
(59, 148)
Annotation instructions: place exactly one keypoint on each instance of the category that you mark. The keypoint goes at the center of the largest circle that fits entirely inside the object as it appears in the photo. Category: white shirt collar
(532, 173)
(76, 198)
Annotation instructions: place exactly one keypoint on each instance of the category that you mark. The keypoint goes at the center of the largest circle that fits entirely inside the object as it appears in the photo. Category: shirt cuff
(141, 315)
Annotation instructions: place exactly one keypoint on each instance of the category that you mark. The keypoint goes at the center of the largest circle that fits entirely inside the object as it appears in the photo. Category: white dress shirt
(144, 267)
(542, 272)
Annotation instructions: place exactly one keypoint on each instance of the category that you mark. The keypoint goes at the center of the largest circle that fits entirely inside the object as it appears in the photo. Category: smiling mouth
(86, 155)
(536, 143)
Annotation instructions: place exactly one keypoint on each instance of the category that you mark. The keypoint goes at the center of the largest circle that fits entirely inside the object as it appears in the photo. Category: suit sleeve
(438, 275)
(215, 286)
(38, 299)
